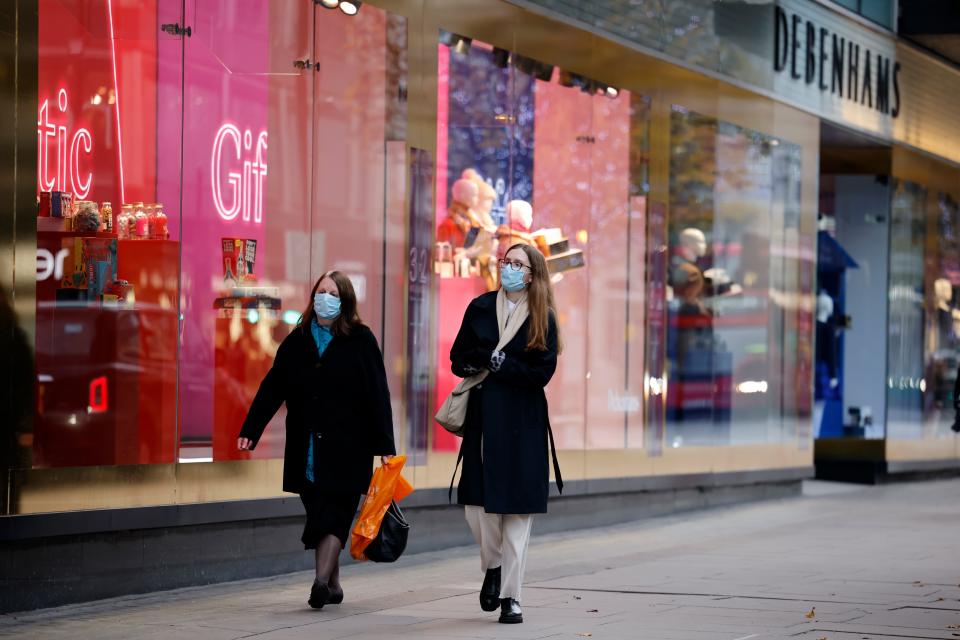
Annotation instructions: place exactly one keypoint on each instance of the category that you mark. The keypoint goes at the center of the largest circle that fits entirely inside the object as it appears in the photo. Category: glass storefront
(733, 346)
(200, 164)
(924, 318)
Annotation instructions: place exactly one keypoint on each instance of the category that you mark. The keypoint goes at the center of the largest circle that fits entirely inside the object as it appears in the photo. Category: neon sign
(65, 173)
(242, 192)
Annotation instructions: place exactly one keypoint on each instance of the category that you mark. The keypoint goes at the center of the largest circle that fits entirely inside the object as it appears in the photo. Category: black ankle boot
(510, 611)
(336, 596)
(490, 591)
(319, 594)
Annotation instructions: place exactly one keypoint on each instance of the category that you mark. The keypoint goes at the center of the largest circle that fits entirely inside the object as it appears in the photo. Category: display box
(239, 257)
(90, 263)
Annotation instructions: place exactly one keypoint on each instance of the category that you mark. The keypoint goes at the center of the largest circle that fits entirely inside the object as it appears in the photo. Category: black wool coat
(506, 415)
(341, 398)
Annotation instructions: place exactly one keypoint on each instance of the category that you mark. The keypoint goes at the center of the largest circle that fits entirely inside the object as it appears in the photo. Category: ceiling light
(463, 45)
(330, 4)
(612, 92)
(350, 7)
(459, 44)
(501, 57)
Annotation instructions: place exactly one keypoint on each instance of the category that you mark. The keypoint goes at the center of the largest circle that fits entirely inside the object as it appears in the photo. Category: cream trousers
(503, 541)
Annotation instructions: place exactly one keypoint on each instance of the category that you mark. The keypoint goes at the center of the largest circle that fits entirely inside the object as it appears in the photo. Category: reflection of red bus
(712, 357)
(106, 385)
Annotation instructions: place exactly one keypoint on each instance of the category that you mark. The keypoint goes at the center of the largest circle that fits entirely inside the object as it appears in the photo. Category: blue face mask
(326, 306)
(511, 279)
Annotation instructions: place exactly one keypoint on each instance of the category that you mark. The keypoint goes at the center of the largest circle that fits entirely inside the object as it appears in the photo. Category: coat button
(480, 386)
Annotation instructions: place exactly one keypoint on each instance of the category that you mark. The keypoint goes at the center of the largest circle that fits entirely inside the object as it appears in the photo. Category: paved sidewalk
(844, 563)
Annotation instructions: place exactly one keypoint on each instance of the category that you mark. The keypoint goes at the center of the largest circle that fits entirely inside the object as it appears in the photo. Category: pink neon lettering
(65, 175)
(245, 187)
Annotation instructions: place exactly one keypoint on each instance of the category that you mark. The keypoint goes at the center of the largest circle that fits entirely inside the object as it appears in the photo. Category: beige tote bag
(453, 411)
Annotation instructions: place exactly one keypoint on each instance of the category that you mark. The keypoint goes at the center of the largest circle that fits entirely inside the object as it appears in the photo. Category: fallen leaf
(917, 583)
(577, 598)
(812, 613)
(593, 611)
(585, 634)
(939, 599)
(953, 626)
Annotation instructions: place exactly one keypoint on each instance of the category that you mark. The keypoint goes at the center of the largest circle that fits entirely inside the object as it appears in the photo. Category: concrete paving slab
(870, 562)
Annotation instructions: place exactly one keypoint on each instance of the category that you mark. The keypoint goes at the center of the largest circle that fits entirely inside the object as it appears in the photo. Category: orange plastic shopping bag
(386, 485)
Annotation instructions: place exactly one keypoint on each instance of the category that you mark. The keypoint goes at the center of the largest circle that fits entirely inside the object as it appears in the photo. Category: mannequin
(686, 277)
(454, 229)
(943, 296)
(824, 307)
(827, 337)
(484, 247)
(517, 228)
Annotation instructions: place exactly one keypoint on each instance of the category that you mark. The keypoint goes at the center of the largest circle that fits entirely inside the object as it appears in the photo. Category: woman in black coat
(330, 372)
(505, 475)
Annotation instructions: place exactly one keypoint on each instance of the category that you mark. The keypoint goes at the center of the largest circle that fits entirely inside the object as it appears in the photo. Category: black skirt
(328, 513)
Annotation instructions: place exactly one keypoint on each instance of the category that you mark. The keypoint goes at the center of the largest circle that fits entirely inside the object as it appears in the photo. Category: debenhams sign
(834, 63)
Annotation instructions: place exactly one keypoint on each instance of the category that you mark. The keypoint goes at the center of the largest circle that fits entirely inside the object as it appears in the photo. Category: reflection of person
(944, 359)
(686, 277)
(17, 378)
(943, 296)
(330, 372)
(459, 220)
(505, 475)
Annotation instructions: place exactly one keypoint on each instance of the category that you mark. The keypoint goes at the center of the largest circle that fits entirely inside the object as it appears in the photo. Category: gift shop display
(107, 327)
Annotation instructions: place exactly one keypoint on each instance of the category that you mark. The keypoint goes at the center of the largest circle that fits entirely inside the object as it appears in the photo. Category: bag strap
(553, 453)
(454, 476)
(556, 462)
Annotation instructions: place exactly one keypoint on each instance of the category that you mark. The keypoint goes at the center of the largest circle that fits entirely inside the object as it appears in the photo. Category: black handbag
(391, 540)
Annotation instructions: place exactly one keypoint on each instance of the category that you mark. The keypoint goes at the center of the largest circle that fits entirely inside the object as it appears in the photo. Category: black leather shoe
(490, 591)
(336, 596)
(319, 594)
(510, 611)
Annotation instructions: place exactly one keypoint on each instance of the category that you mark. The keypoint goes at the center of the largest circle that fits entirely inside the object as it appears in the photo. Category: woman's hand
(244, 444)
(384, 459)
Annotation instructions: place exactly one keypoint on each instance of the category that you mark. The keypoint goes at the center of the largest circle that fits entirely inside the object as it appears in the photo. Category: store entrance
(852, 281)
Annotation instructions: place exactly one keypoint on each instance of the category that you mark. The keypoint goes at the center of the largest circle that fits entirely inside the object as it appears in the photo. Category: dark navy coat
(506, 415)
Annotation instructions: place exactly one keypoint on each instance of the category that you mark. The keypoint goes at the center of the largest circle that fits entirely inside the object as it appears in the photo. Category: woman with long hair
(330, 372)
(505, 477)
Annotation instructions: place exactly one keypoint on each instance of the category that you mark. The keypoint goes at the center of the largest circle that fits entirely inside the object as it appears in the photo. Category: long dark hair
(349, 317)
(539, 300)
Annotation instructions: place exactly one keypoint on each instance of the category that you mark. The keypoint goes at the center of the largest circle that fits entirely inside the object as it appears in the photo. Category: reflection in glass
(733, 278)
(942, 321)
(905, 330)
(537, 155)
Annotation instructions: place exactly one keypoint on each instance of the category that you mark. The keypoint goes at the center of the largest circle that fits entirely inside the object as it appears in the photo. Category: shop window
(733, 347)
(905, 329)
(191, 188)
(300, 104)
(531, 153)
(107, 238)
(941, 339)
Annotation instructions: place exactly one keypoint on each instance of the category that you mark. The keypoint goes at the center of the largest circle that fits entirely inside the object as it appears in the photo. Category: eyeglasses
(516, 265)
